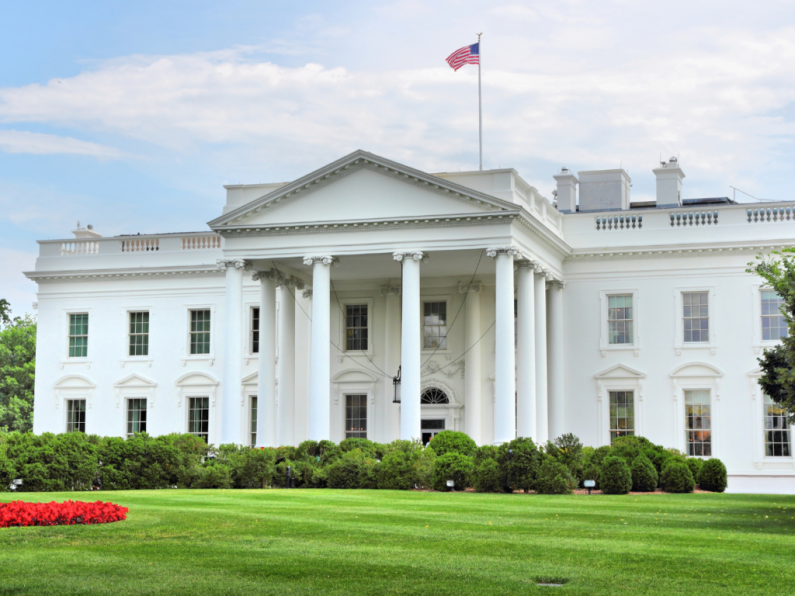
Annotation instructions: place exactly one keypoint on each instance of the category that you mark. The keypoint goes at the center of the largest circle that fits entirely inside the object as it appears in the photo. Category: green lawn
(384, 542)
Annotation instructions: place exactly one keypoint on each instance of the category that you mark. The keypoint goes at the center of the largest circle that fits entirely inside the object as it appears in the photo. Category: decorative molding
(503, 250)
(325, 259)
(524, 264)
(54, 276)
(307, 293)
(433, 367)
(464, 287)
(554, 282)
(224, 264)
(417, 255)
(261, 275)
(390, 290)
(667, 253)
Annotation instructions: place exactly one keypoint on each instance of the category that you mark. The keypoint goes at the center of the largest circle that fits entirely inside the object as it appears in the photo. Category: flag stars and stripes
(466, 55)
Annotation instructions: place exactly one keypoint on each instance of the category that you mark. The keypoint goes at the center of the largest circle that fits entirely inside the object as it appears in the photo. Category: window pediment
(619, 371)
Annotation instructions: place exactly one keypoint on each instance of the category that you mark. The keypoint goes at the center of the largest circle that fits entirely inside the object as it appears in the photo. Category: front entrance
(431, 428)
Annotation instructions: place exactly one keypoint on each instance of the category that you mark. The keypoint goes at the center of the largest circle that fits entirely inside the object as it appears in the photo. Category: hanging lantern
(396, 385)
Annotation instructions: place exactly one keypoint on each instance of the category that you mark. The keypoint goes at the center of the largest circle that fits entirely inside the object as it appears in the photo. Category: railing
(774, 214)
(140, 244)
(82, 247)
(694, 218)
(201, 242)
(619, 222)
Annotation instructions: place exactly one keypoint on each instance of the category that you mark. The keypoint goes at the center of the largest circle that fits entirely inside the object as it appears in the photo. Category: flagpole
(480, 105)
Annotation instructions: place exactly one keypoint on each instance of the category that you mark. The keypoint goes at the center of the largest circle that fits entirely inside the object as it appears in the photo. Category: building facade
(502, 314)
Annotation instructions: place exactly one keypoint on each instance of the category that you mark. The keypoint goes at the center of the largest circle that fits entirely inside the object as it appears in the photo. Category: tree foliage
(17, 370)
(778, 364)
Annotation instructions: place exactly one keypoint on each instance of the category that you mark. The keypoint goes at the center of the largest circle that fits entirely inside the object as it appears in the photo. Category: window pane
(76, 415)
(695, 313)
(356, 336)
(356, 416)
(622, 414)
(136, 416)
(255, 331)
(698, 422)
(434, 330)
(777, 431)
(200, 332)
(774, 325)
(78, 335)
(253, 429)
(619, 319)
(139, 334)
(199, 417)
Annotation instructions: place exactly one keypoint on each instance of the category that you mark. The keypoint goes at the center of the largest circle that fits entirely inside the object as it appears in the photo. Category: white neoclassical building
(504, 314)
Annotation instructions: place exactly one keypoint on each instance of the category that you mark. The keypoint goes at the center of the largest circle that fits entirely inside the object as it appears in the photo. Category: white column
(540, 295)
(231, 421)
(320, 357)
(410, 345)
(473, 379)
(525, 351)
(504, 350)
(557, 406)
(285, 407)
(390, 423)
(266, 386)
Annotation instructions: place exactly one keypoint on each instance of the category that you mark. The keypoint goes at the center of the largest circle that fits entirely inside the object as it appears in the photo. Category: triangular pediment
(134, 380)
(620, 371)
(362, 187)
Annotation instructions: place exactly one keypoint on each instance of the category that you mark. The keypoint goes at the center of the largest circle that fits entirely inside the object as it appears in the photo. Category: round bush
(712, 476)
(676, 478)
(644, 475)
(452, 466)
(523, 466)
(695, 464)
(486, 478)
(554, 478)
(451, 441)
(353, 470)
(396, 471)
(615, 477)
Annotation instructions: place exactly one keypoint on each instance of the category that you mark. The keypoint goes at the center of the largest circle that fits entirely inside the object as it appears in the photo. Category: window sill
(209, 358)
(84, 361)
(765, 345)
(604, 349)
(133, 360)
(696, 346)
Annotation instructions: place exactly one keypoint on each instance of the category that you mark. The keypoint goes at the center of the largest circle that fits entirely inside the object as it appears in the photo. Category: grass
(383, 542)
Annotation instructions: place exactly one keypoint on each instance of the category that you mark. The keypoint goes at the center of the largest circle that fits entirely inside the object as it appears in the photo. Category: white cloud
(18, 141)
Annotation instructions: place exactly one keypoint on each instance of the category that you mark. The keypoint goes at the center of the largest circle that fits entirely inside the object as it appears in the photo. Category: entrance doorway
(431, 428)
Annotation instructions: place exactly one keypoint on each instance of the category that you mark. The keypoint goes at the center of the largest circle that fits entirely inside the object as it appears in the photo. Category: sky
(131, 116)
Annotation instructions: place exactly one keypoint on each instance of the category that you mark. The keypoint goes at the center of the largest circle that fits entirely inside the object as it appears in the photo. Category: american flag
(466, 55)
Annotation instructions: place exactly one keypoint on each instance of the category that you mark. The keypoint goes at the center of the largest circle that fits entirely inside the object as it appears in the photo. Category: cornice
(662, 253)
(55, 276)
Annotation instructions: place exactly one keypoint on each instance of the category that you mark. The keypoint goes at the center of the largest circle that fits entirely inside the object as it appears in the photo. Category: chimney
(669, 183)
(87, 232)
(604, 190)
(567, 191)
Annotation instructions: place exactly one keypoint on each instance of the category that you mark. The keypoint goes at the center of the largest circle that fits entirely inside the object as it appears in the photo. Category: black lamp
(396, 385)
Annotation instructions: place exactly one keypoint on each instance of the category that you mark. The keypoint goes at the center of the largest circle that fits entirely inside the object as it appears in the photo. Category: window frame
(448, 300)
(610, 429)
(760, 344)
(342, 315)
(253, 330)
(685, 390)
(188, 409)
(69, 402)
(619, 377)
(696, 375)
(604, 337)
(69, 315)
(130, 334)
(127, 410)
(253, 412)
(712, 316)
(364, 399)
(788, 430)
(188, 308)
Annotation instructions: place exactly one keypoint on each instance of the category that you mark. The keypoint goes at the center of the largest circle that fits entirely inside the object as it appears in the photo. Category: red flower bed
(19, 513)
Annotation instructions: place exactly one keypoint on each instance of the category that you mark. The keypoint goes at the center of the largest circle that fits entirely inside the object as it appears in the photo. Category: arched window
(434, 396)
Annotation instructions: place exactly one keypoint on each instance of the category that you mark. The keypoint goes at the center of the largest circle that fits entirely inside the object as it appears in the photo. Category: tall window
(255, 330)
(200, 332)
(253, 429)
(355, 416)
(774, 326)
(356, 327)
(136, 416)
(139, 334)
(622, 414)
(199, 417)
(76, 415)
(695, 306)
(698, 422)
(434, 327)
(619, 319)
(777, 433)
(78, 335)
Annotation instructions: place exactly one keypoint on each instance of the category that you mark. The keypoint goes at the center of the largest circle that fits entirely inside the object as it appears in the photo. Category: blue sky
(131, 116)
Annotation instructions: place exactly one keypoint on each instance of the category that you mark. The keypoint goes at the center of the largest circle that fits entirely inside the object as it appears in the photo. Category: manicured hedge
(76, 461)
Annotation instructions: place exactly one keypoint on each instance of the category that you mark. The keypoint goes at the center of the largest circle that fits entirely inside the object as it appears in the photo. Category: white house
(288, 319)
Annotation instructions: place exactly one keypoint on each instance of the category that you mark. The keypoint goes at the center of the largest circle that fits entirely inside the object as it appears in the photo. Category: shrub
(486, 477)
(396, 471)
(366, 446)
(694, 463)
(592, 463)
(353, 469)
(452, 466)
(523, 466)
(213, 475)
(554, 478)
(644, 475)
(567, 449)
(451, 441)
(424, 465)
(485, 452)
(712, 476)
(676, 478)
(615, 477)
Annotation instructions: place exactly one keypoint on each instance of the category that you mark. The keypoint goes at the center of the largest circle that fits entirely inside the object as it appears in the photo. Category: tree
(5, 312)
(17, 370)
(778, 364)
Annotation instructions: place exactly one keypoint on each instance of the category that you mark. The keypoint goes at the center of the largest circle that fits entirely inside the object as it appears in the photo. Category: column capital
(554, 282)
(307, 293)
(502, 250)
(325, 259)
(269, 274)
(225, 264)
(288, 281)
(524, 264)
(417, 255)
(390, 290)
(542, 272)
(464, 287)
